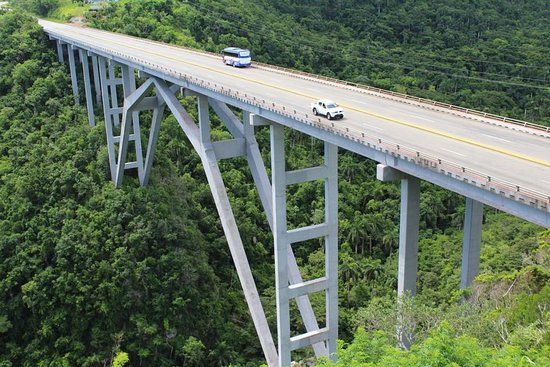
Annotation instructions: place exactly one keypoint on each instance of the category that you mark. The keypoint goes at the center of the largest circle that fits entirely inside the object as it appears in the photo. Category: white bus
(235, 56)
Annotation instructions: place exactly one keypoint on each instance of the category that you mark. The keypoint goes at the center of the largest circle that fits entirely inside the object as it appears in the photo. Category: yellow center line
(453, 137)
(366, 112)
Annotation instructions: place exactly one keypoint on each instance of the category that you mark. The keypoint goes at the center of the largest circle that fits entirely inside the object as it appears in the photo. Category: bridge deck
(518, 158)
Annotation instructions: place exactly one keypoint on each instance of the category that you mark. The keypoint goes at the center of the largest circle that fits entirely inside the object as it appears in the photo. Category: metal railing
(492, 184)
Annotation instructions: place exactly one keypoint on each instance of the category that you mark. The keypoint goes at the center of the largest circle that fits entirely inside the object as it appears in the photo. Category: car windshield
(332, 105)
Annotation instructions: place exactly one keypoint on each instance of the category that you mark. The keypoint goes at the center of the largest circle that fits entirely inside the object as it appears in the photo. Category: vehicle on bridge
(235, 56)
(327, 108)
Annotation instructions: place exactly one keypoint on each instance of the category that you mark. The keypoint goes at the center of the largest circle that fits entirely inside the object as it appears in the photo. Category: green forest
(91, 275)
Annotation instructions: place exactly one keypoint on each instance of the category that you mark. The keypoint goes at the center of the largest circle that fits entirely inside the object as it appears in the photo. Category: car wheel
(329, 116)
(315, 111)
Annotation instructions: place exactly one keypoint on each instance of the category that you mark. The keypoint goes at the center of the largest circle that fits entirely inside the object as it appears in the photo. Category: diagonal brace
(229, 224)
(129, 103)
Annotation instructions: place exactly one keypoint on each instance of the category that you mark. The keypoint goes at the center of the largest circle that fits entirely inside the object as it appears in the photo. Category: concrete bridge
(490, 160)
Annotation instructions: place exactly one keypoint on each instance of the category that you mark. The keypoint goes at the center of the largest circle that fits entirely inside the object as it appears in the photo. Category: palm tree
(356, 232)
(390, 240)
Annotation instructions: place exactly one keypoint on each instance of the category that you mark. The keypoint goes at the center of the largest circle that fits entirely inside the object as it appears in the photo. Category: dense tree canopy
(87, 269)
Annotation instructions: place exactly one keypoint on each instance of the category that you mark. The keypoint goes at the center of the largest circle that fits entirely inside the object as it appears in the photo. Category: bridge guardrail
(455, 171)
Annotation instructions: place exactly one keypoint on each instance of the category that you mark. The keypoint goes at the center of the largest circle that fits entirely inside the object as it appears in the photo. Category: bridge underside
(122, 126)
(114, 88)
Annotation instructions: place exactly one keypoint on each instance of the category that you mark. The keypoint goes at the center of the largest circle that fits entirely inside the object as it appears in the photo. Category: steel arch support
(206, 152)
(108, 114)
(129, 121)
(130, 94)
(134, 102)
(158, 114)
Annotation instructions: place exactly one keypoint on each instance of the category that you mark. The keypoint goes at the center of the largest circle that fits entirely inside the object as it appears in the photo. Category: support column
(87, 86)
(60, 51)
(113, 82)
(72, 68)
(408, 236)
(408, 226)
(281, 243)
(204, 119)
(288, 280)
(331, 245)
(108, 114)
(471, 244)
(408, 244)
(408, 253)
(97, 85)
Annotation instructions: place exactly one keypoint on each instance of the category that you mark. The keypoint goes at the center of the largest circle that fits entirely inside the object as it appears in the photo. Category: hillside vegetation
(92, 275)
(483, 55)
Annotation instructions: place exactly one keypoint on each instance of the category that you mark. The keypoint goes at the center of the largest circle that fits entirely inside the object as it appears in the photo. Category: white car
(327, 108)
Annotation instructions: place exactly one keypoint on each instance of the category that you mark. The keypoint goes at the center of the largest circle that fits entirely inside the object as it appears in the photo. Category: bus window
(235, 56)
